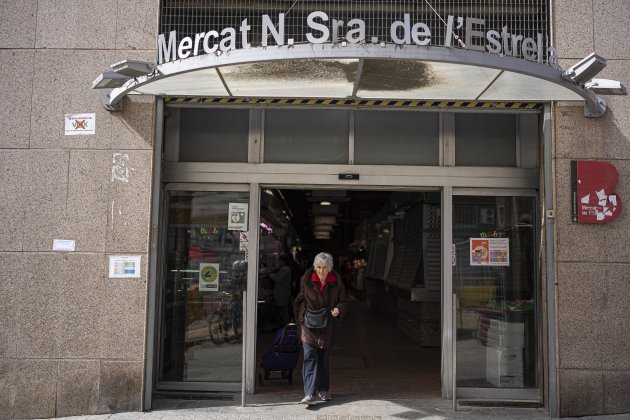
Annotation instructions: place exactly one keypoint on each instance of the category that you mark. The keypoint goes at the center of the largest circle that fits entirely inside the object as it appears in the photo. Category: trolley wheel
(260, 379)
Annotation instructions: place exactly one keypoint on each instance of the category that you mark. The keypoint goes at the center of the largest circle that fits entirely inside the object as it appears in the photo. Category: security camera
(606, 87)
(586, 69)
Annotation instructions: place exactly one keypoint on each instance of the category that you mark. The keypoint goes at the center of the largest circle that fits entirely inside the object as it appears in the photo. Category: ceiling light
(323, 228)
(324, 220)
(325, 203)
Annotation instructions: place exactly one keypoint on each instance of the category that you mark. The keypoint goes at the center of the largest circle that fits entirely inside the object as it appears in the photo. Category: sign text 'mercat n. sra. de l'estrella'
(323, 29)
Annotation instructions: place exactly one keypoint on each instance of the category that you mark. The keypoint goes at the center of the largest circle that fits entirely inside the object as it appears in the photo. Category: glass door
(204, 276)
(496, 288)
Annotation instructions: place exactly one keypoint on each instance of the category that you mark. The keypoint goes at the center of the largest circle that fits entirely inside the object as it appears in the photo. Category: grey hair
(323, 257)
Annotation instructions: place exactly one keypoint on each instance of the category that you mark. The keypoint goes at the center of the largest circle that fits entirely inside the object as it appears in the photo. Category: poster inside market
(490, 251)
(208, 277)
(237, 217)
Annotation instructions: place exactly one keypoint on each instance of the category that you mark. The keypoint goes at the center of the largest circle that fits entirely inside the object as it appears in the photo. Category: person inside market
(321, 288)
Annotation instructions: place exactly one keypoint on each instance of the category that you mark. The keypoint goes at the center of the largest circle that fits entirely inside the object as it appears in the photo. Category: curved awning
(357, 71)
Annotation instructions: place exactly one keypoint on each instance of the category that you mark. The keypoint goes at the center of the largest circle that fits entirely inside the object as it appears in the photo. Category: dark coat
(334, 296)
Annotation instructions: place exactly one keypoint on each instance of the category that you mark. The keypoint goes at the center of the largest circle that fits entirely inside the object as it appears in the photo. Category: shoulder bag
(316, 318)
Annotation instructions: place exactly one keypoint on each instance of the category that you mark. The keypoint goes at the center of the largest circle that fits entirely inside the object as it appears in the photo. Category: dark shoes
(324, 396)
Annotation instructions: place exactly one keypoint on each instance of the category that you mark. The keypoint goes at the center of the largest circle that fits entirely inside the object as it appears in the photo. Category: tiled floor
(370, 359)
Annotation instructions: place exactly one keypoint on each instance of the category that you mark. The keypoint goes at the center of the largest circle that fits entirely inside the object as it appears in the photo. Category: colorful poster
(208, 277)
(124, 266)
(77, 124)
(237, 217)
(490, 251)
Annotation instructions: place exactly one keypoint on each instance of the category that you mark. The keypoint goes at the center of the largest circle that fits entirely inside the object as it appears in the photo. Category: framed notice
(490, 251)
(237, 217)
(80, 124)
(208, 277)
(124, 266)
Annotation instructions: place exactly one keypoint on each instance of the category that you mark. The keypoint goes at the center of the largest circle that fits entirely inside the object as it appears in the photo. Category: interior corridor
(370, 359)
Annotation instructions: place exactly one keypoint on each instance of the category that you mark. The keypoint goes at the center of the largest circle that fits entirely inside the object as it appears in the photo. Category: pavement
(337, 409)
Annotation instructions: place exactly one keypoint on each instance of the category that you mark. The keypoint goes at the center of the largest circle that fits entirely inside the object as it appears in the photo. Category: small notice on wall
(490, 251)
(208, 277)
(66, 245)
(124, 266)
(77, 124)
(237, 217)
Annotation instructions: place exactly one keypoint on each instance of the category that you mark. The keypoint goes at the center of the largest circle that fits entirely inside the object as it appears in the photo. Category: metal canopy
(359, 71)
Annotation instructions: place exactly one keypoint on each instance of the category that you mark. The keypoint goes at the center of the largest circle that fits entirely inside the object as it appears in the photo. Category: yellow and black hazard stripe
(357, 102)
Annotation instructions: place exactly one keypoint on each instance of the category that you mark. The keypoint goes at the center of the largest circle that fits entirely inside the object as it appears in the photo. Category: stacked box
(504, 354)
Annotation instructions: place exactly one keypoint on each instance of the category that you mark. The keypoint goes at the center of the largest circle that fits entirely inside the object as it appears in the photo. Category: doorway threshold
(499, 403)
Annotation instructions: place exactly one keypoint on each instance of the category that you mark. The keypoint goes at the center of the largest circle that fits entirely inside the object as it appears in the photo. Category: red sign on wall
(593, 198)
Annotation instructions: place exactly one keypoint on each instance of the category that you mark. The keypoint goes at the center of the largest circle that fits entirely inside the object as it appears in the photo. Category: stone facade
(76, 338)
(71, 336)
(593, 261)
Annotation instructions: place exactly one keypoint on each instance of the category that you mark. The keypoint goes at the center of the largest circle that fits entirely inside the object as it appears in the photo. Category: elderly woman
(320, 287)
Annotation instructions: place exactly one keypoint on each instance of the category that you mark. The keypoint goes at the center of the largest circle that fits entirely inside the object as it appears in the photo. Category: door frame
(254, 176)
(449, 390)
(157, 279)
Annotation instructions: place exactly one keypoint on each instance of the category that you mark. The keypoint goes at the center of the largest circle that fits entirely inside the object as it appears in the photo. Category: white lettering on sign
(323, 29)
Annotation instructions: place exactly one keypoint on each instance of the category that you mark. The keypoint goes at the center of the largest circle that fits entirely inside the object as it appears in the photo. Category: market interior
(386, 247)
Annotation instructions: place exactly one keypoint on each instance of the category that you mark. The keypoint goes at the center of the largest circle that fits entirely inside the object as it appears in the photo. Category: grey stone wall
(72, 340)
(593, 261)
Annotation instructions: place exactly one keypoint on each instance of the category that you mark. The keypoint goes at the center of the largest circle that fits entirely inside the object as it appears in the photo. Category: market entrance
(387, 248)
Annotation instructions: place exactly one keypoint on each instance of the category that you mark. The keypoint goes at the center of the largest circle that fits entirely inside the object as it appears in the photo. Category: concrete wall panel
(78, 387)
(12, 268)
(27, 388)
(45, 195)
(137, 30)
(122, 332)
(17, 24)
(616, 330)
(580, 392)
(13, 200)
(88, 178)
(573, 24)
(120, 386)
(616, 395)
(16, 84)
(82, 319)
(130, 200)
(612, 29)
(62, 85)
(134, 128)
(39, 307)
(581, 294)
(76, 24)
